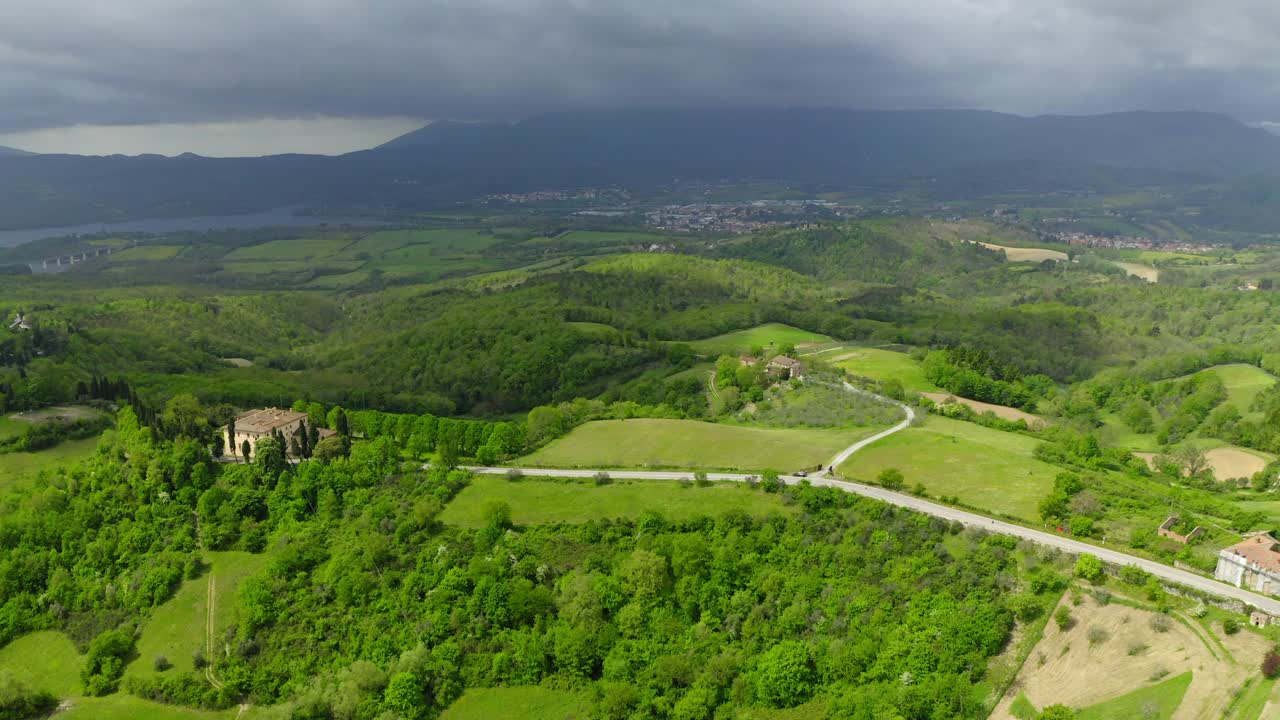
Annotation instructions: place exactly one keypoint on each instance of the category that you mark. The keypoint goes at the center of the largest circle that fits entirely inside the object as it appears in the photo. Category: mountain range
(956, 152)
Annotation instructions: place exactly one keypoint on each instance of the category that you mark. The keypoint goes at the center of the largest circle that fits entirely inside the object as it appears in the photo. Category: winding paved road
(823, 479)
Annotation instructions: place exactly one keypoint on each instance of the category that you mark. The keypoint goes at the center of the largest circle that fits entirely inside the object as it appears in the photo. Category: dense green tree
(785, 675)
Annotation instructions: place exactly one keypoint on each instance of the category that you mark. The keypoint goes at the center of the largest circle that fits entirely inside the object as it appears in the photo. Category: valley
(625, 428)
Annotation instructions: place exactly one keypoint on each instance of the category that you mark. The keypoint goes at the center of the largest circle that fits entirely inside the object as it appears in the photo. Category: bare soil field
(1226, 463)
(1015, 254)
(1065, 667)
(1146, 272)
(1001, 411)
(1234, 463)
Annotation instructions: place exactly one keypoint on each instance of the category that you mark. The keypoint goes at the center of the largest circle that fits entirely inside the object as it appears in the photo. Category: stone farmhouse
(786, 367)
(1253, 564)
(257, 424)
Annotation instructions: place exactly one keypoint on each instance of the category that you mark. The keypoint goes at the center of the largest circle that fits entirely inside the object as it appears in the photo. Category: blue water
(280, 217)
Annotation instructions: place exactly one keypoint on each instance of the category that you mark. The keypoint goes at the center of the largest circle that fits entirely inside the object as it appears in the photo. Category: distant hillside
(809, 144)
(957, 151)
(12, 152)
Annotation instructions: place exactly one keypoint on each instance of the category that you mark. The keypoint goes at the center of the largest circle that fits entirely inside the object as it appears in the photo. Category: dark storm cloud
(143, 61)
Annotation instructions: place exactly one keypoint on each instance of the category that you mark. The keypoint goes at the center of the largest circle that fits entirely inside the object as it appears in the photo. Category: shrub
(1026, 607)
(1097, 635)
(1134, 575)
(19, 701)
(770, 481)
(497, 514)
(1160, 623)
(104, 663)
(1089, 567)
(1230, 626)
(919, 490)
(1063, 617)
(199, 660)
(891, 478)
(1057, 712)
(1137, 647)
(1199, 611)
(161, 663)
(602, 478)
(515, 475)
(1081, 526)
(1271, 664)
(700, 479)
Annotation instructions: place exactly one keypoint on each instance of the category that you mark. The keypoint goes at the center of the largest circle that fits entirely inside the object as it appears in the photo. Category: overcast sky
(341, 74)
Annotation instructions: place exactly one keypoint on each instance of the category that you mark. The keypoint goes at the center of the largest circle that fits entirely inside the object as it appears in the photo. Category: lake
(280, 217)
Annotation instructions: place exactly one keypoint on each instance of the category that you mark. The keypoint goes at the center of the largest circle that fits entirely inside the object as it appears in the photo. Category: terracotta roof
(266, 420)
(1261, 550)
(785, 361)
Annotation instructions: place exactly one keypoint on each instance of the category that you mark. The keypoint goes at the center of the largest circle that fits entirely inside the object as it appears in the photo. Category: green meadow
(1156, 702)
(766, 336)
(1243, 383)
(536, 501)
(880, 364)
(518, 703)
(178, 627)
(21, 468)
(984, 468)
(687, 444)
(44, 660)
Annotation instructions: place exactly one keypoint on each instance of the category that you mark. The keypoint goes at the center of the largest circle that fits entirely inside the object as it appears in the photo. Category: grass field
(517, 703)
(1243, 383)
(537, 502)
(1253, 700)
(879, 364)
(692, 444)
(266, 267)
(44, 661)
(985, 468)
(1114, 432)
(593, 329)
(10, 427)
(145, 253)
(128, 707)
(55, 413)
(20, 468)
(1163, 698)
(177, 628)
(741, 342)
(292, 249)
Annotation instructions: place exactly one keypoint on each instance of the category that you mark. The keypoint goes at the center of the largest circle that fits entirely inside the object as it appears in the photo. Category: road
(823, 479)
